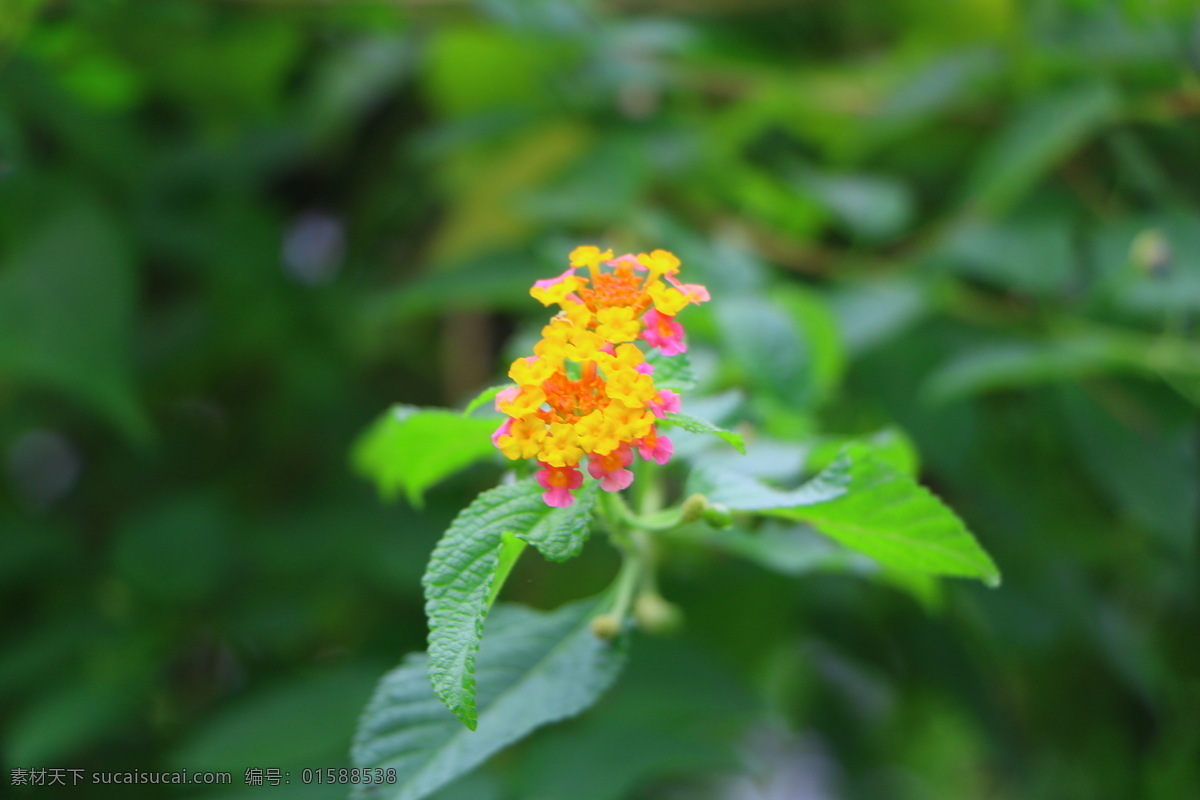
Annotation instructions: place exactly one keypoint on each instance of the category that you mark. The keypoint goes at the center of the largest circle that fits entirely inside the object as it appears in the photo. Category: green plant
(591, 391)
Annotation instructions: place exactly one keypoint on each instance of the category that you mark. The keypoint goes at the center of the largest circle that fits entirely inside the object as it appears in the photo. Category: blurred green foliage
(232, 233)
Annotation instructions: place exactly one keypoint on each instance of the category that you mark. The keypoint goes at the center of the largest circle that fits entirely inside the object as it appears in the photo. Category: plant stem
(627, 583)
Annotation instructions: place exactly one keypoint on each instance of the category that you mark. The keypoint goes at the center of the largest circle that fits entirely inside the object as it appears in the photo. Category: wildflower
(587, 392)
(554, 290)
(663, 332)
(667, 403)
(558, 483)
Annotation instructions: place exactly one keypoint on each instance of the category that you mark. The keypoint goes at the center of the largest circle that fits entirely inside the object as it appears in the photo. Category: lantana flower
(587, 392)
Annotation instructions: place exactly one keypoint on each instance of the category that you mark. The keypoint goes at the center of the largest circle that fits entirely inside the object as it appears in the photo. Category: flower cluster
(587, 391)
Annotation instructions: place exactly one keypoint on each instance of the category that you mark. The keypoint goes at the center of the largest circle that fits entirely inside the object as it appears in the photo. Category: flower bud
(606, 627)
(655, 615)
(693, 509)
(1150, 253)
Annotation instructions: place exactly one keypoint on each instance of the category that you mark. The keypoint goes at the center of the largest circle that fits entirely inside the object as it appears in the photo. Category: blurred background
(233, 233)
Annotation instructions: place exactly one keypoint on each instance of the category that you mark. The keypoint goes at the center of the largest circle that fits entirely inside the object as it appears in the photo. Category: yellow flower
(525, 403)
(618, 324)
(668, 300)
(561, 447)
(555, 290)
(598, 433)
(630, 423)
(589, 256)
(524, 439)
(659, 262)
(630, 387)
(534, 371)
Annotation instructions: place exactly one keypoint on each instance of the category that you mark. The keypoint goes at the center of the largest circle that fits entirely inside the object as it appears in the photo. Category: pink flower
(557, 289)
(558, 483)
(664, 333)
(503, 430)
(610, 469)
(646, 368)
(549, 283)
(694, 292)
(506, 396)
(629, 259)
(656, 448)
(667, 403)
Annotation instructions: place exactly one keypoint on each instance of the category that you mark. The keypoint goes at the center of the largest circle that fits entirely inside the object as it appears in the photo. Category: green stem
(627, 583)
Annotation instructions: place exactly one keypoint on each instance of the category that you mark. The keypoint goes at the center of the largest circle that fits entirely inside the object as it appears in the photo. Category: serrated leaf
(741, 492)
(694, 425)
(535, 668)
(901, 524)
(797, 550)
(484, 397)
(561, 535)
(511, 548)
(462, 570)
(410, 449)
(672, 372)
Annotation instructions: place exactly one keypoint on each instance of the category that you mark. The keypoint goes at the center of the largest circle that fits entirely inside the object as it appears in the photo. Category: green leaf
(822, 338)
(561, 535)
(798, 550)
(694, 425)
(1042, 134)
(484, 397)
(66, 309)
(890, 517)
(741, 492)
(298, 723)
(1064, 358)
(411, 449)
(888, 445)
(871, 207)
(534, 669)
(872, 312)
(1033, 254)
(1147, 467)
(672, 372)
(511, 549)
(788, 549)
(463, 569)
(70, 721)
(765, 343)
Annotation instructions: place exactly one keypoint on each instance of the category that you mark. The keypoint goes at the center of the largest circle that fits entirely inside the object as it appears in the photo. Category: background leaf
(1045, 131)
(410, 449)
(52, 330)
(535, 668)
